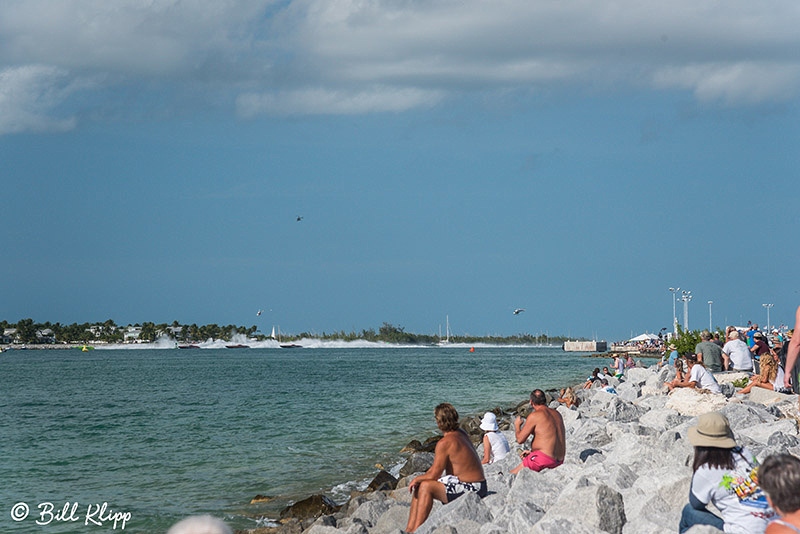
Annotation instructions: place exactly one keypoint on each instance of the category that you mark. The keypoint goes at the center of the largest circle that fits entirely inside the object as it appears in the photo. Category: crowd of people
(750, 498)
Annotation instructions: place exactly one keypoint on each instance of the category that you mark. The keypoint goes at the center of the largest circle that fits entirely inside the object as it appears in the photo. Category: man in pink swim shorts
(537, 460)
(548, 447)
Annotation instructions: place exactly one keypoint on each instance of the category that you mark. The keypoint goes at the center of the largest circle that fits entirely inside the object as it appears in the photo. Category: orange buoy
(472, 349)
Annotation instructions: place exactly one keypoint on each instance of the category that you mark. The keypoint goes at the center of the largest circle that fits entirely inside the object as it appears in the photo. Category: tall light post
(686, 296)
(674, 290)
(710, 302)
(768, 306)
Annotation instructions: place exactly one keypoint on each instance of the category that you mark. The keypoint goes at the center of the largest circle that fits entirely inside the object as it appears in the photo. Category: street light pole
(674, 290)
(686, 296)
(768, 306)
(710, 302)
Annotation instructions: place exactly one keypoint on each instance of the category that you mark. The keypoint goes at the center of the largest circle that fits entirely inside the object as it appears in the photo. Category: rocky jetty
(627, 469)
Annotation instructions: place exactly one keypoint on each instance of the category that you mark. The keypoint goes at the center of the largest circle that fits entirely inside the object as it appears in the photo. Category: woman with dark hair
(725, 475)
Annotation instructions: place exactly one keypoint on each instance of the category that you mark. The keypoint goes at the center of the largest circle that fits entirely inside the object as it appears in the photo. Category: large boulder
(382, 481)
(598, 507)
(467, 507)
(417, 462)
(689, 401)
(768, 396)
(314, 506)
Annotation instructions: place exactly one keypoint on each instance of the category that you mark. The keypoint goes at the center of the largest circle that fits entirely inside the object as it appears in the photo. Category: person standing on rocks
(549, 435)
(725, 475)
(709, 353)
(455, 457)
(698, 377)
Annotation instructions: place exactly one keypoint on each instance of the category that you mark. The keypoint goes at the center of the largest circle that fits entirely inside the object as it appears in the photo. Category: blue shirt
(672, 357)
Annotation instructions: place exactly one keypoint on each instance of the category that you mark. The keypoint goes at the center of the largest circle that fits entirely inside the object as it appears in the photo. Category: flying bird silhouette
(518, 311)
(299, 218)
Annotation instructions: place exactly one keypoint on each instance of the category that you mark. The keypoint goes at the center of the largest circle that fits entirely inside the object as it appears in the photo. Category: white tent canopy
(644, 337)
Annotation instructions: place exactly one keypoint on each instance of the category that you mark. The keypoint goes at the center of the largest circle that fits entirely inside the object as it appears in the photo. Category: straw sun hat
(712, 430)
(489, 422)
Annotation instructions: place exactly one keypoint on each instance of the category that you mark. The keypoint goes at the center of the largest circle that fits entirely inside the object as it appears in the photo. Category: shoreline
(642, 385)
(470, 421)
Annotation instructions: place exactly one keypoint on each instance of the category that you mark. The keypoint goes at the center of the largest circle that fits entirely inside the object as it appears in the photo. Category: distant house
(131, 334)
(45, 336)
(10, 336)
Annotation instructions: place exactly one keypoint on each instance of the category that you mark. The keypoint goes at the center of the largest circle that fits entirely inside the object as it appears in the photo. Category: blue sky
(447, 159)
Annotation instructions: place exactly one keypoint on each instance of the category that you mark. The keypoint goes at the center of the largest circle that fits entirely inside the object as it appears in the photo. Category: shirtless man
(545, 424)
(456, 458)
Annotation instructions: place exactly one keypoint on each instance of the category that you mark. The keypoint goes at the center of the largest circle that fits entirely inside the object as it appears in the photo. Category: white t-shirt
(704, 379)
(740, 355)
(743, 505)
(499, 445)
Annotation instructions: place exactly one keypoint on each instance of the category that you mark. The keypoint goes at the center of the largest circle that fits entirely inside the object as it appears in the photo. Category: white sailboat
(446, 340)
(272, 336)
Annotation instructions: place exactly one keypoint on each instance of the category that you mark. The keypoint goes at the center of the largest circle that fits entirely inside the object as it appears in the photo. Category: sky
(448, 159)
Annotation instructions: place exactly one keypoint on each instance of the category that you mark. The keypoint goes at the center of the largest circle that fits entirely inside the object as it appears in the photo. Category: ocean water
(162, 434)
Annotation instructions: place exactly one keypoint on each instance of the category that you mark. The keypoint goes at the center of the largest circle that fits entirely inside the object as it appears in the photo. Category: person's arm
(794, 350)
(522, 433)
(487, 450)
(442, 453)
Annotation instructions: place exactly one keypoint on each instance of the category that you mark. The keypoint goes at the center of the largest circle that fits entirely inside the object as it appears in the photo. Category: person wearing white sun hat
(726, 475)
(495, 444)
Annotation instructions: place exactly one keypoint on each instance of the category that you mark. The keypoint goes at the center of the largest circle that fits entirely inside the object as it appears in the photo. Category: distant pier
(585, 346)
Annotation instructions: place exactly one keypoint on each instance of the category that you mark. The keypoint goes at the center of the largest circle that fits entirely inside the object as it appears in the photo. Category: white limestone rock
(467, 507)
(638, 377)
(395, 518)
(768, 396)
(688, 401)
(598, 507)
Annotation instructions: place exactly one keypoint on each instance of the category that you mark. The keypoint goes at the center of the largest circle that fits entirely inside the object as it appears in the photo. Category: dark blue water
(167, 433)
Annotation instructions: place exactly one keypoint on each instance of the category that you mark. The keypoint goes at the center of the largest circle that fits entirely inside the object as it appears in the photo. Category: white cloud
(28, 94)
(734, 83)
(328, 102)
(364, 56)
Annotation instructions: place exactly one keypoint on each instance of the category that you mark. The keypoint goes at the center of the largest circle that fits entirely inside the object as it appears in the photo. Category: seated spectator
(606, 387)
(724, 475)
(568, 397)
(605, 374)
(495, 444)
(708, 353)
(629, 363)
(770, 377)
(736, 354)
(456, 470)
(779, 477)
(546, 425)
(698, 378)
(592, 379)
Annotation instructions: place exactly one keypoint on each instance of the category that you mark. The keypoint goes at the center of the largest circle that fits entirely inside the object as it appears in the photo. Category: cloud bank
(369, 56)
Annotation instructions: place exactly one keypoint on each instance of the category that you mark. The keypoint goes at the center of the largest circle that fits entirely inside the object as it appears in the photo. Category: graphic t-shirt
(735, 493)
(704, 379)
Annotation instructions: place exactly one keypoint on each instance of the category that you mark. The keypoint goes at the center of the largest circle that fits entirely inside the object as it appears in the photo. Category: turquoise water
(167, 433)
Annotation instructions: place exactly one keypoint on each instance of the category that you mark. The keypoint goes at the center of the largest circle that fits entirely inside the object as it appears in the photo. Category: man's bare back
(548, 432)
(461, 460)
(548, 447)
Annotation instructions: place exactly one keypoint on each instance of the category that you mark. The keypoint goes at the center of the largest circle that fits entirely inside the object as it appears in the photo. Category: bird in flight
(518, 311)
(299, 218)
(259, 312)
